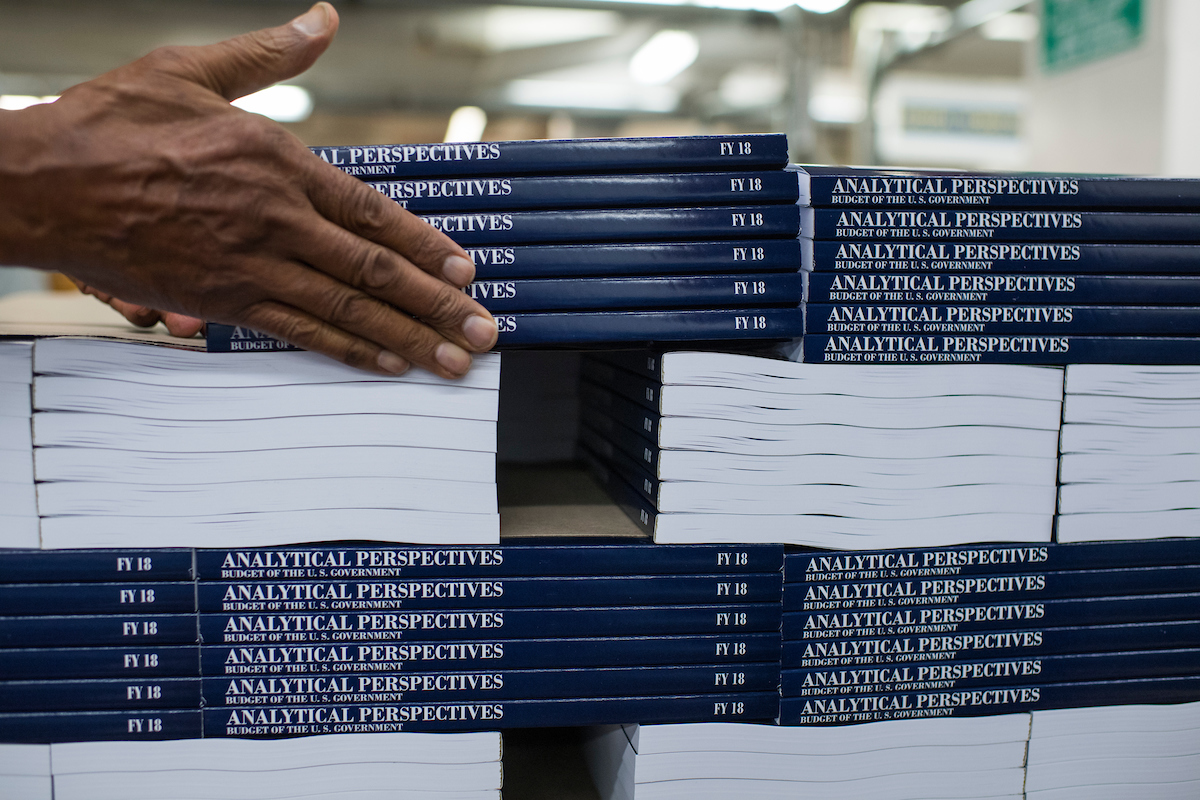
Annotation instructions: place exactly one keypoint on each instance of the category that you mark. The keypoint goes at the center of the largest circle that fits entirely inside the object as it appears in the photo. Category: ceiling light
(466, 124)
(1013, 27)
(607, 95)
(15, 102)
(751, 86)
(280, 103)
(663, 56)
(518, 27)
(821, 6)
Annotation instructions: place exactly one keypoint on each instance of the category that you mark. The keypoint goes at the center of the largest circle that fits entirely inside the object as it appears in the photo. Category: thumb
(244, 64)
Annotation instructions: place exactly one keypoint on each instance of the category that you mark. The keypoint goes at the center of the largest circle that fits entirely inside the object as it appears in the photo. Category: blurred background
(1052, 85)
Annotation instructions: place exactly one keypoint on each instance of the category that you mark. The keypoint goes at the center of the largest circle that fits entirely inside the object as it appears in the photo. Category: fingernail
(458, 270)
(313, 22)
(390, 362)
(453, 358)
(480, 332)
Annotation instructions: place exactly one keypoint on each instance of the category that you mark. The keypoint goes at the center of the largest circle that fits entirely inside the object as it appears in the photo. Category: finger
(181, 324)
(139, 315)
(355, 312)
(252, 61)
(381, 273)
(355, 206)
(306, 331)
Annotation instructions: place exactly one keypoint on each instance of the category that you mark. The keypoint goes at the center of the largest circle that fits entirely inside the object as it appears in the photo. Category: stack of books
(901, 760)
(985, 630)
(1114, 753)
(1130, 452)
(268, 643)
(18, 501)
(140, 446)
(721, 447)
(25, 771)
(579, 242)
(919, 267)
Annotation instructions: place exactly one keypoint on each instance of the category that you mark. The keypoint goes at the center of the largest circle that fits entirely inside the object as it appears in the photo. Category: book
(515, 192)
(973, 349)
(646, 258)
(18, 504)
(986, 318)
(1010, 225)
(667, 154)
(965, 288)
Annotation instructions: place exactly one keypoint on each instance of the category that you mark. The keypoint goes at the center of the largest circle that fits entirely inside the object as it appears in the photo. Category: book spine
(626, 466)
(420, 595)
(860, 187)
(986, 559)
(647, 258)
(586, 328)
(81, 566)
(518, 192)
(93, 631)
(497, 684)
(833, 682)
(518, 623)
(947, 648)
(640, 509)
(654, 292)
(986, 702)
(617, 225)
(971, 349)
(275, 721)
(100, 695)
(1001, 257)
(964, 288)
(644, 390)
(668, 154)
(971, 618)
(396, 561)
(130, 662)
(734, 646)
(628, 413)
(1009, 320)
(37, 599)
(882, 592)
(1016, 225)
(100, 726)
(606, 436)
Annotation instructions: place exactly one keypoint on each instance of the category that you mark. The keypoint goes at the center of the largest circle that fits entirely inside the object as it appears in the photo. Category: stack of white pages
(1130, 452)
(18, 503)
(1115, 753)
(137, 445)
(902, 760)
(383, 766)
(25, 772)
(733, 448)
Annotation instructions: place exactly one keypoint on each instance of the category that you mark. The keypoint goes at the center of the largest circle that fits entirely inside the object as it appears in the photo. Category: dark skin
(145, 184)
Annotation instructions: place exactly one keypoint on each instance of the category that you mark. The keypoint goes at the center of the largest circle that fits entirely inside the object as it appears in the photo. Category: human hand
(176, 324)
(147, 185)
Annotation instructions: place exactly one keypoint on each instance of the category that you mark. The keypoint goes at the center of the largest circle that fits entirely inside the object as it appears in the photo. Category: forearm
(23, 224)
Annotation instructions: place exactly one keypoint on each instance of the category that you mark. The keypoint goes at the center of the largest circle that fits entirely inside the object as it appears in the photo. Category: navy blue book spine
(1001, 257)
(886, 592)
(859, 187)
(133, 662)
(963, 288)
(277, 721)
(549, 157)
(591, 191)
(548, 559)
(100, 726)
(637, 388)
(647, 258)
(82, 566)
(822, 566)
(515, 623)
(986, 702)
(1028, 641)
(37, 599)
(499, 684)
(640, 509)
(736, 646)
(586, 328)
(970, 618)
(599, 429)
(1010, 320)
(420, 595)
(835, 681)
(887, 348)
(1003, 226)
(647, 292)
(625, 465)
(94, 631)
(618, 225)
(619, 408)
(100, 695)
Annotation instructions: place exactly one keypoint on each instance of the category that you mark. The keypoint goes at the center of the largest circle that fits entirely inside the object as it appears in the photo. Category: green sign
(1076, 32)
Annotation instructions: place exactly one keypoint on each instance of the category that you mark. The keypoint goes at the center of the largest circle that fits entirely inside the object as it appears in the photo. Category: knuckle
(366, 210)
(446, 307)
(373, 270)
(350, 309)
